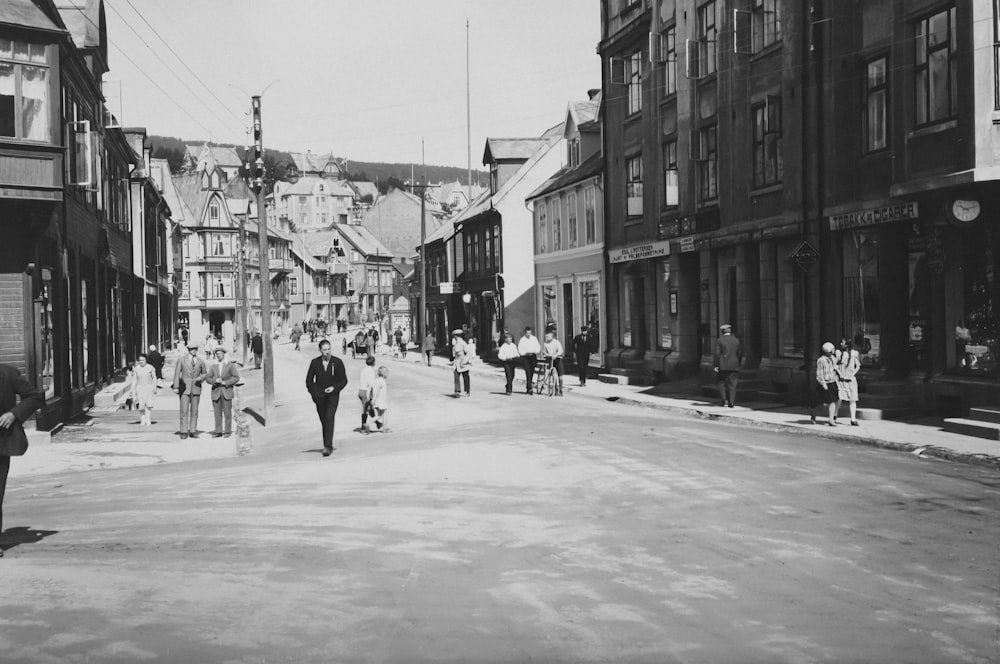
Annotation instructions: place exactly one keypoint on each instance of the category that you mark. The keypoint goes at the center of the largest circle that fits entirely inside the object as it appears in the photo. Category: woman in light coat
(848, 364)
(144, 389)
(460, 362)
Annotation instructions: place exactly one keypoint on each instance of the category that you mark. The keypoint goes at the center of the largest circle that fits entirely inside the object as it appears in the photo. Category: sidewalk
(923, 437)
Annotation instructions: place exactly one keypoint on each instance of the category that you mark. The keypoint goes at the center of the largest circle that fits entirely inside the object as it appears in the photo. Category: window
(590, 303)
(571, 229)
(791, 304)
(573, 148)
(590, 214)
(213, 214)
(497, 258)
(766, 24)
(976, 310)
(862, 315)
(671, 181)
(633, 186)
(707, 36)
(876, 106)
(220, 244)
(768, 164)
(293, 286)
(996, 54)
(222, 285)
(556, 225)
(936, 68)
(24, 91)
(548, 295)
(708, 164)
(633, 82)
(669, 44)
(543, 228)
(186, 287)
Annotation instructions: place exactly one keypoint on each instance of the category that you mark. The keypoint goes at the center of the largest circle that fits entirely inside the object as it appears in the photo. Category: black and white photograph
(499, 332)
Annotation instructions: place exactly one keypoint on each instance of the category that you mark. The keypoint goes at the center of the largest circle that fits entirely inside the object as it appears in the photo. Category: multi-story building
(313, 202)
(324, 165)
(318, 287)
(804, 171)
(569, 234)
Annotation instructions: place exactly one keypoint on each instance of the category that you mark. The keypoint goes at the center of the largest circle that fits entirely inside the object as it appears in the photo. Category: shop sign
(873, 217)
(448, 287)
(687, 244)
(639, 251)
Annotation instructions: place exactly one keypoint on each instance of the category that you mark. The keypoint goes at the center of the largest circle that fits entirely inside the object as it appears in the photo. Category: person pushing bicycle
(553, 348)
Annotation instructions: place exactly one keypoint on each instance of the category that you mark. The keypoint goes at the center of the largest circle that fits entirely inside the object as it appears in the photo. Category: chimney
(593, 92)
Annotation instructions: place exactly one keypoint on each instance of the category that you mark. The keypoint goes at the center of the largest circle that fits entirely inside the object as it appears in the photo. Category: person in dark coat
(728, 359)
(13, 385)
(581, 352)
(257, 347)
(325, 380)
(154, 358)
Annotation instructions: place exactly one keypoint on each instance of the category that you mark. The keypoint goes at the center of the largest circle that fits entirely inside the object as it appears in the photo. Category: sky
(365, 79)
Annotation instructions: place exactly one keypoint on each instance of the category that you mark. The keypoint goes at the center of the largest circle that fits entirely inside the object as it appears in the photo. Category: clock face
(966, 210)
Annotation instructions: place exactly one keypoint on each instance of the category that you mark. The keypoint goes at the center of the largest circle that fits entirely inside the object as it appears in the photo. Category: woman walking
(144, 389)
(848, 365)
(508, 354)
(380, 399)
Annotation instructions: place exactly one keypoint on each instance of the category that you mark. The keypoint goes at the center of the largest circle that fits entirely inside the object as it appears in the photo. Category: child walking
(380, 399)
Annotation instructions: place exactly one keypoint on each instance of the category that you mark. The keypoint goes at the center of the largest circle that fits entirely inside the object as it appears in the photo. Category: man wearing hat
(189, 373)
(728, 358)
(222, 376)
(581, 350)
(461, 362)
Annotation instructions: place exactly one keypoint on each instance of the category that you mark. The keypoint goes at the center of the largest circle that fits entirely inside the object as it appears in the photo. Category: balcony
(338, 267)
(280, 266)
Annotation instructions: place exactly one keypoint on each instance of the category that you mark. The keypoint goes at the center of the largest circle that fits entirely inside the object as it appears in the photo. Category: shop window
(628, 333)
(977, 330)
(24, 91)
(665, 339)
(862, 315)
(791, 306)
(876, 105)
(47, 333)
(548, 296)
(936, 68)
(590, 301)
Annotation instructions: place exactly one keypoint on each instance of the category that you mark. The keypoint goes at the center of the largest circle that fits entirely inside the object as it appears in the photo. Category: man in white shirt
(529, 348)
(553, 348)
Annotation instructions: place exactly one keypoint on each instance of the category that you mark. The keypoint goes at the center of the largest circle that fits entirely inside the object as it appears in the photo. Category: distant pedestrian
(13, 442)
(507, 353)
(184, 336)
(325, 379)
(222, 376)
(529, 348)
(156, 360)
(581, 353)
(460, 363)
(296, 335)
(144, 389)
(848, 362)
(366, 380)
(257, 347)
(210, 344)
(429, 345)
(827, 391)
(380, 399)
(189, 373)
(728, 359)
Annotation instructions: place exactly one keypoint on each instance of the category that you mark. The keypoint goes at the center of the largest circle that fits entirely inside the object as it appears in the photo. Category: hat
(457, 332)
(192, 345)
(828, 347)
(219, 348)
(725, 327)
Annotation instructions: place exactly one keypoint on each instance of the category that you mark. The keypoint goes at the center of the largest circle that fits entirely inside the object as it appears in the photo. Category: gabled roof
(583, 114)
(364, 188)
(26, 14)
(566, 176)
(300, 249)
(309, 162)
(86, 23)
(159, 172)
(363, 240)
(222, 156)
(191, 193)
(306, 185)
(317, 243)
(500, 149)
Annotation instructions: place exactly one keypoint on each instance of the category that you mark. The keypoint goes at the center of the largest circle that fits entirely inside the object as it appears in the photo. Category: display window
(862, 316)
(977, 329)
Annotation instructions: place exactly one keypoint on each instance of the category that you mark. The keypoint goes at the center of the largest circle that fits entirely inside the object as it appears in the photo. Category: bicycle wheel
(550, 381)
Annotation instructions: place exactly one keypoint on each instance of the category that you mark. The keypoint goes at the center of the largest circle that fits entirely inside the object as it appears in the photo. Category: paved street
(506, 529)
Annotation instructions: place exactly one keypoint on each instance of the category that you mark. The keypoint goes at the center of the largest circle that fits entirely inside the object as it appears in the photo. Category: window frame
(708, 166)
(633, 185)
(766, 140)
(708, 36)
(572, 223)
(18, 64)
(633, 83)
(759, 24)
(922, 74)
(870, 92)
(590, 214)
(670, 166)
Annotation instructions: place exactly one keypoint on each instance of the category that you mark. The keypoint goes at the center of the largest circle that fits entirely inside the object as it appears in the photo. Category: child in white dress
(380, 399)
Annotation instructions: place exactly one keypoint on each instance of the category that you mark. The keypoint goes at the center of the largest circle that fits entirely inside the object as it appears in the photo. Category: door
(569, 326)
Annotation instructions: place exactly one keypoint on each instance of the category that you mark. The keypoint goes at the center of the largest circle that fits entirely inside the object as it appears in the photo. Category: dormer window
(494, 179)
(213, 214)
(574, 152)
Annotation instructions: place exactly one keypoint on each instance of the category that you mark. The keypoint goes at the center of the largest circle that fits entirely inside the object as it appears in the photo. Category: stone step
(886, 388)
(110, 395)
(644, 380)
(977, 428)
(772, 396)
(985, 414)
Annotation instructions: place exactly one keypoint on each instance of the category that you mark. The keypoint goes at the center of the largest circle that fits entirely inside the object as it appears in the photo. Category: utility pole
(468, 119)
(264, 260)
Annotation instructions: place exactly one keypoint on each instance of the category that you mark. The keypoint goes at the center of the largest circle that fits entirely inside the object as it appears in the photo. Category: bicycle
(547, 379)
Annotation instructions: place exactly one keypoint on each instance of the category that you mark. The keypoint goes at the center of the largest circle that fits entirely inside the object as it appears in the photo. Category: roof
(319, 243)
(309, 162)
(498, 149)
(159, 172)
(565, 176)
(195, 198)
(300, 249)
(85, 21)
(306, 184)
(364, 188)
(26, 14)
(224, 156)
(583, 112)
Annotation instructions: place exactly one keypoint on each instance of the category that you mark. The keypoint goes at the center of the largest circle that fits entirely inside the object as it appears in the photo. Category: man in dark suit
(222, 376)
(190, 371)
(154, 358)
(325, 380)
(257, 347)
(581, 351)
(728, 359)
(12, 385)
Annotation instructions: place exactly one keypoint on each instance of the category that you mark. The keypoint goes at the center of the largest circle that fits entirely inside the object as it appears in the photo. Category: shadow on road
(23, 535)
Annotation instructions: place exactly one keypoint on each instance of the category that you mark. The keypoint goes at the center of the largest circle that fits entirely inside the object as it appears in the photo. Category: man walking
(12, 385)
(154, 358)
(430, 342)
(188, 376)
(728, 359)
(581, 352)
(257, 348)
(325, 380)
(222, 376)
(460, 363)
(529, 348)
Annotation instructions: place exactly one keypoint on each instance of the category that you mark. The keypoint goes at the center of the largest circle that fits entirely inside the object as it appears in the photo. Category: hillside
(172, 149)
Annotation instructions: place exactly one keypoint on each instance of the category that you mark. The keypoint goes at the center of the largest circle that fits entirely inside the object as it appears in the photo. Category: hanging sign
(639, 251)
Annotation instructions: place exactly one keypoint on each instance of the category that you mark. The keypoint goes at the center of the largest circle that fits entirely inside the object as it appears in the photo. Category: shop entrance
(634, 319)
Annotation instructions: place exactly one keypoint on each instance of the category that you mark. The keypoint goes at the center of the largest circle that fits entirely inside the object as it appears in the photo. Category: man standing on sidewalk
(325, 380)
(257, 348)
(728, 358)
(529, 348)
(581, 352)
(188, 376)
(12, 385)
(222, 376)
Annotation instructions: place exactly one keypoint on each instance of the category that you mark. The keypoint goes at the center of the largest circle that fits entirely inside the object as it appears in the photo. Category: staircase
(885, 400)
(982, 423)
(633, 372)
